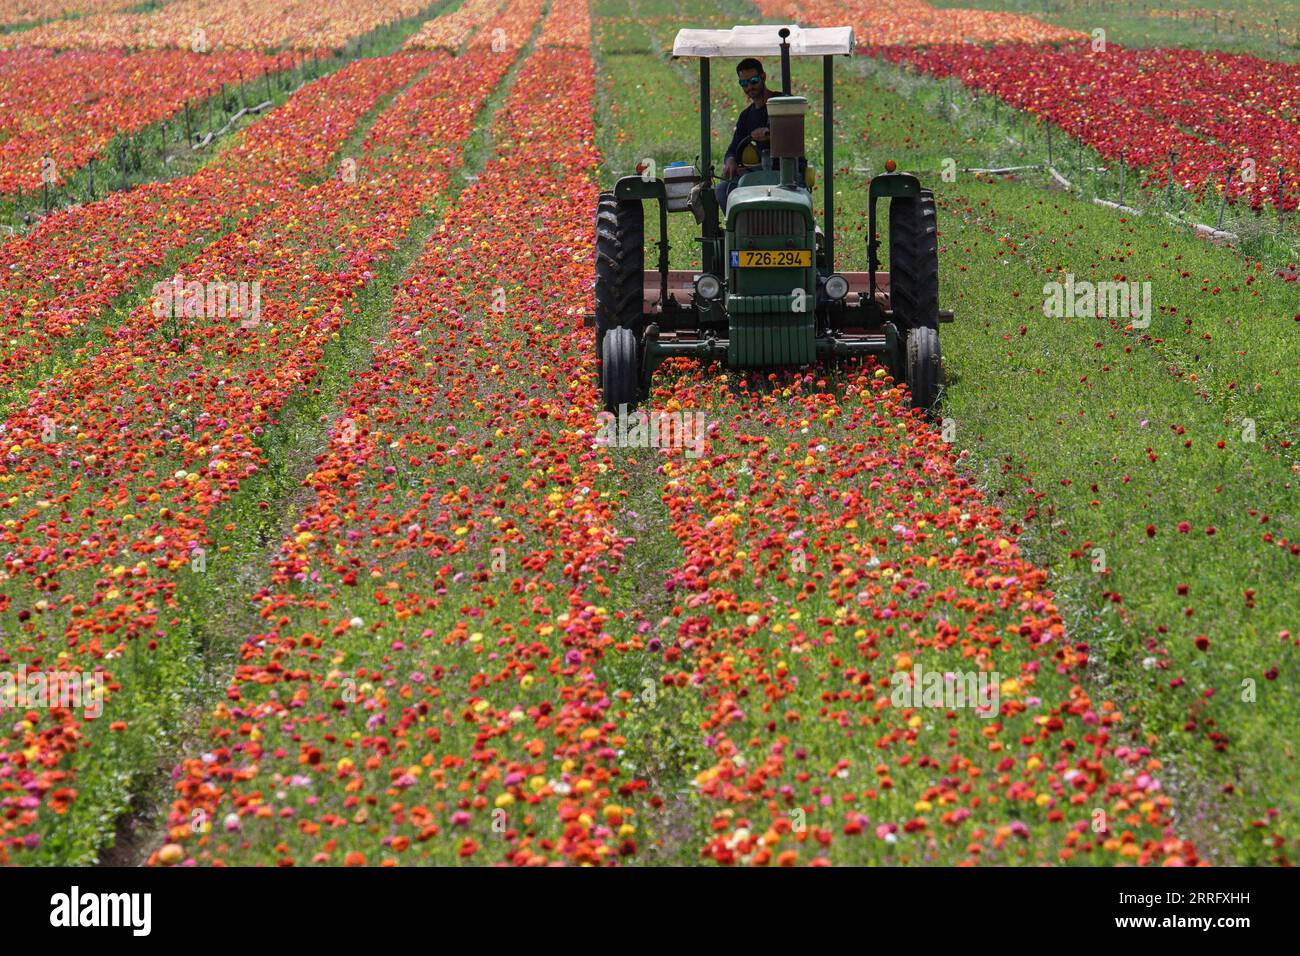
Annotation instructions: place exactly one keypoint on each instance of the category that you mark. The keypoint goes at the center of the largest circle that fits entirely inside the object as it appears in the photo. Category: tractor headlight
(708, 287)
(837, 287)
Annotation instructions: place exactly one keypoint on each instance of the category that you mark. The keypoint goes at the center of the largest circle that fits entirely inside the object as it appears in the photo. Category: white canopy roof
(764, 40)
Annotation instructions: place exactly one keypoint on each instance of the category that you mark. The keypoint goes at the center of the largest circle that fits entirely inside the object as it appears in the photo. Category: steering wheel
(750, 155)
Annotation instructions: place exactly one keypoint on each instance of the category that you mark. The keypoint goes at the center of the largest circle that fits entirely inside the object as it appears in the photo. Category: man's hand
(729, 168)
(760, 134)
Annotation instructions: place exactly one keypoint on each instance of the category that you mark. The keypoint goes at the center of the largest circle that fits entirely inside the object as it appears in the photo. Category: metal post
(1281, 195)
(828, 137)
(663, 250)
(189, 136)
(1227, 179)
(1121, 177)
(706, 171)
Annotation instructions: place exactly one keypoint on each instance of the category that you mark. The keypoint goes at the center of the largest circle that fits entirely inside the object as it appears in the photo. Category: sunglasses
(752, 81)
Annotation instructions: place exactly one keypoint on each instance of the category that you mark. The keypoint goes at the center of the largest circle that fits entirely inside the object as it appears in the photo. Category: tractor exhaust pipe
(786, 121)
(784, 34)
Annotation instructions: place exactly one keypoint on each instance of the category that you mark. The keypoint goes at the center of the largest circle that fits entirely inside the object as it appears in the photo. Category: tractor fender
(894, 184)
(637, 187)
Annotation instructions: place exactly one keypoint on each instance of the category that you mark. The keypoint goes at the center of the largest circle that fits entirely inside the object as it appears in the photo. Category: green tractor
(767, 294)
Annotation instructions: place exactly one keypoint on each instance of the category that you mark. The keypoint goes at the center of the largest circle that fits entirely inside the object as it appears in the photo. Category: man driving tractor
(752, 124)
(764, 292)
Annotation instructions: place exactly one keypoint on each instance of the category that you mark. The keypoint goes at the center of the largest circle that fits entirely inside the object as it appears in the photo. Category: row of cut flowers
(885, 677)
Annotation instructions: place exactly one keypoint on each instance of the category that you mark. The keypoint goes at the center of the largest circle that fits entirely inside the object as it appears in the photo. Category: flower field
(14, 12)
(1216, 124)
(204, 25)
(303, 468)
(79, 261)
(451, 32)
(1212, 121)
(916, 22)
(67, 107)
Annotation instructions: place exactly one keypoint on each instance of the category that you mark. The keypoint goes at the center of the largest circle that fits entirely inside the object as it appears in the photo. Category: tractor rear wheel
(620, 265)
(924, 367)
(914, 261)
(620, 369)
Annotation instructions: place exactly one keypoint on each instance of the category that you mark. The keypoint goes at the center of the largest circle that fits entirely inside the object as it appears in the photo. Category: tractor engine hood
(774, 196)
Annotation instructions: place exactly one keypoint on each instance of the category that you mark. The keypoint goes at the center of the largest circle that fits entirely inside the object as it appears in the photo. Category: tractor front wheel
(924, 367)
(620, 369)
(620, 265)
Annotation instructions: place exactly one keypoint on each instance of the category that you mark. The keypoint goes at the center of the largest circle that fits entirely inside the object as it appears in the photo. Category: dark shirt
(752, 117)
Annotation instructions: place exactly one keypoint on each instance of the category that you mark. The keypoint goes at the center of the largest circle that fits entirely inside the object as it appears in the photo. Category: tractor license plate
(773, 258)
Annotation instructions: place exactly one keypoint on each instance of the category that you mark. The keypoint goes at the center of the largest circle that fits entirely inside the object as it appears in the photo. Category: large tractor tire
(620, 266)
(914, 261)
(924, 367)
(620, 369)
